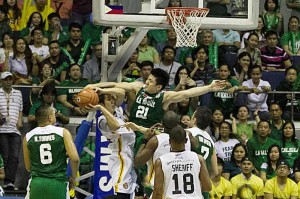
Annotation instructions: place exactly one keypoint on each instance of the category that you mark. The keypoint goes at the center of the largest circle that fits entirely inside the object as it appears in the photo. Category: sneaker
(9, 186)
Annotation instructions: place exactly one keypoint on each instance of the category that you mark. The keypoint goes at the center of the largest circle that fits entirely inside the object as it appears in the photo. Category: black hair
(52, 15)
(275, 103)
(238, 66)
(234, 149)
(74, 64)
(28, 53)
(177, 79)
(261, 121)
(4, 10)
(17, 11)
(195, 51)
(230, 128)
(212, 125)
(49, 88)
(36, 29)
(168, 47)
(269, 163)
(53, 42)
(41, 25)
(161, 77)
(293, 17)
(276, 4)
(270, 33)
(3, 35)
(294, 140)
(254, 67)
(220, 161)
(169, 120)
(290, 68)
(146, 63)
(178, 135)
(203, 117)
(75, 25)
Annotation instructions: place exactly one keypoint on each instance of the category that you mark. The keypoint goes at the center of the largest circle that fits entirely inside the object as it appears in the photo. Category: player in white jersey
(180, 173)
(155, 146)
(121, 139)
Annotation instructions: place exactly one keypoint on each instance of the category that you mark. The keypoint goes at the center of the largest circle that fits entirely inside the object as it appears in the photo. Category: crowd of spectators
(57, 45)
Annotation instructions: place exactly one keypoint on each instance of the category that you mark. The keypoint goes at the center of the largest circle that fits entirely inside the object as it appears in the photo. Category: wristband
(144, 141)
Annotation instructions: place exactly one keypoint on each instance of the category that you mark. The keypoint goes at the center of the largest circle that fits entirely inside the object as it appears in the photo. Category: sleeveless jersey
(121, 141)
(47, 152)
(163, 147)
(181, 175)
(206, 144)
(147, 109)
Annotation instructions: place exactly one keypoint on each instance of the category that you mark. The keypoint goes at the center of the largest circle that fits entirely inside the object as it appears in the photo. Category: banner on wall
(102, 180)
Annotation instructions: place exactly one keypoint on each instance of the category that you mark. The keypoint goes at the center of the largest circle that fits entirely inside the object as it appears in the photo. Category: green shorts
(47, 188)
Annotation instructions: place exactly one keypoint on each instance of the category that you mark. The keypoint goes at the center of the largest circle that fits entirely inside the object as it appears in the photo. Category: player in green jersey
(46, 149)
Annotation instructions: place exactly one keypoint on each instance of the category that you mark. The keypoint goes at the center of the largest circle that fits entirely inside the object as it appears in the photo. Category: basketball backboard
(151, 13)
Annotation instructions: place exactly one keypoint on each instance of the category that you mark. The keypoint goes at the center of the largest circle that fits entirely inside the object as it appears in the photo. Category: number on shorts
(142, 112)
(188, 184)
(45, 154)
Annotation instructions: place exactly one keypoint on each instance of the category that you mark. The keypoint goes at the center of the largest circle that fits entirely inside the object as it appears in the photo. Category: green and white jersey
(147, 109)
(206, 144)
(47, 152)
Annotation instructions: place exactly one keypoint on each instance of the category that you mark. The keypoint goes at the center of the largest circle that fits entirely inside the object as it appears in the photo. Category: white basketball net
(186, 22)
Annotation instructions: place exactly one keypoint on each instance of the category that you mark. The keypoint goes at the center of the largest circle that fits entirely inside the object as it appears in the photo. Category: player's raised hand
(217, 85)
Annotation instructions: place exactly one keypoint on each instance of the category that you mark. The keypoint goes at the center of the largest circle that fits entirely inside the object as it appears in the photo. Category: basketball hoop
(186, 21)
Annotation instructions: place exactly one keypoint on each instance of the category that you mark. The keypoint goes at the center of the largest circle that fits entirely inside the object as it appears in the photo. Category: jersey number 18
(188, 184)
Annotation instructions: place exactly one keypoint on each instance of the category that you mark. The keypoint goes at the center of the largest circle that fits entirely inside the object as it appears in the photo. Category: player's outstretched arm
(128, 87)
(26, 155)
(204, 176)
(174, 97)
(118, 92)
(73, 156)
(158, 181)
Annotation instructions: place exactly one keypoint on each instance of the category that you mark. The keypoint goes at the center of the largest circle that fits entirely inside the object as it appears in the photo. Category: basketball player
(151, 101)
(111, 123)
(180, 173)
(153, 147)
(46, 149)
(202, 142)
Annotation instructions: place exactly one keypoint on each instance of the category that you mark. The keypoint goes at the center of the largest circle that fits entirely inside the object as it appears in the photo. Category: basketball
(86, 97)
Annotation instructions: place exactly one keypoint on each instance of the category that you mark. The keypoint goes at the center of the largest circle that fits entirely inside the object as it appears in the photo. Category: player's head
(177, 138)
(108, 101)
(169, 121)
(157, 81)
(45, 115)
(202, 117)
